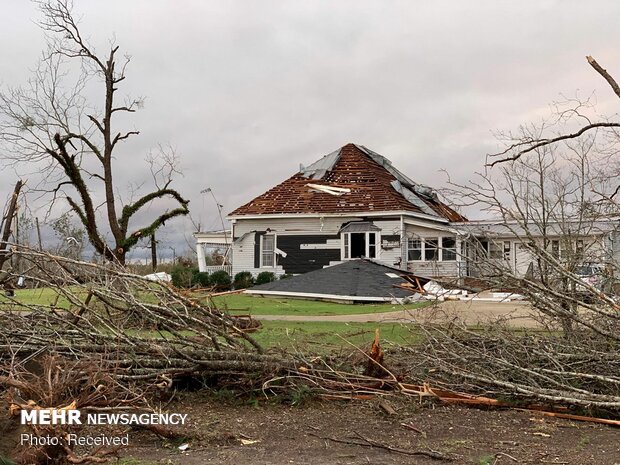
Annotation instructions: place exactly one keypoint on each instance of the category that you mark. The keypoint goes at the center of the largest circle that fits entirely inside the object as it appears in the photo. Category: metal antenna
(219, 209)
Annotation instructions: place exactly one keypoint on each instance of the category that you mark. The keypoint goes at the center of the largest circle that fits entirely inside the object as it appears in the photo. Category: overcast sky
(247, 90)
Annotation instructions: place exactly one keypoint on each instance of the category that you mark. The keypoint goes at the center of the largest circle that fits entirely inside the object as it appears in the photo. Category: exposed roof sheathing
(375, 186)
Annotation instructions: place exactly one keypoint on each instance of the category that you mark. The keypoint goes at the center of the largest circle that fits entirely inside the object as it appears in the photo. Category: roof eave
(344, 214)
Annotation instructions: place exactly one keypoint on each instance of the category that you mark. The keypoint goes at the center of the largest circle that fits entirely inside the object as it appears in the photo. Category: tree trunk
(8, 221)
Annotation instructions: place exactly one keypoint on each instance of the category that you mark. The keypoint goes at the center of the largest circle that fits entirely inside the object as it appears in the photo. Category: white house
(349, 204)
(354, 203)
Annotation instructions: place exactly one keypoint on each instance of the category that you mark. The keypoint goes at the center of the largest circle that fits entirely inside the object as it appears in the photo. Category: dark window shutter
(257, 236)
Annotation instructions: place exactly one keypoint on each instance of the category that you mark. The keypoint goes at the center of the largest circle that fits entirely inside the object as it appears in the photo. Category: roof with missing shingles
(373, 185)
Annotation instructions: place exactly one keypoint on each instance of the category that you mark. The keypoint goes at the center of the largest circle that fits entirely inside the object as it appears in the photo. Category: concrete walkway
(517, 314)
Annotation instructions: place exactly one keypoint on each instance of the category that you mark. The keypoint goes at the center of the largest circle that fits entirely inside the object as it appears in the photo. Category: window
(268, 249)
(507, 247)
(359, 244)
(579, 249)
(496, 250)
(555, 248)
(431, 249)
(448, 245)
(414, 249)
(428, 249)
(372, 245)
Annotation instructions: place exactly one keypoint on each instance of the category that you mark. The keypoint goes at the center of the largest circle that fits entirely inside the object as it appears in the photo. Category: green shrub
(243, 280)
(220, 279)
(265, 277)
(182, 276)
(286, 276)
(200, 278)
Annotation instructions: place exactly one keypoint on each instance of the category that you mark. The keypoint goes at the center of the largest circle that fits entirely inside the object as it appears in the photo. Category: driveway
(517, 314)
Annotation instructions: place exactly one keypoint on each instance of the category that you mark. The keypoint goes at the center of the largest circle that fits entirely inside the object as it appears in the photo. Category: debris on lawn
(367, 442)
(374, 364)
(353, 281)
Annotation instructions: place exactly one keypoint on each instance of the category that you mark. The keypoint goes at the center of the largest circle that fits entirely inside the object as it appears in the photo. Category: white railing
(226, 268)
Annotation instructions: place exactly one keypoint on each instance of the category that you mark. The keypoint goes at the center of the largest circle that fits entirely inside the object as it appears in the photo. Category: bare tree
(555, 201)
(523, 145)
(49, 123)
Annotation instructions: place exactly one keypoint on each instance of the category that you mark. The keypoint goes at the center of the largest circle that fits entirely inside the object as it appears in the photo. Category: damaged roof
(354, 280)
(351, 179)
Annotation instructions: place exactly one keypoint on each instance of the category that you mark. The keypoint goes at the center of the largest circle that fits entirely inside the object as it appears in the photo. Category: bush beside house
(265, 277)
(221, 280)
(188, 277)
(243, 280)
(182, 277)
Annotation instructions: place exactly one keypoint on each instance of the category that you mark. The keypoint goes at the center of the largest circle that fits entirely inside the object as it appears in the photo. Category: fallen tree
(554, 201)
(95, 337)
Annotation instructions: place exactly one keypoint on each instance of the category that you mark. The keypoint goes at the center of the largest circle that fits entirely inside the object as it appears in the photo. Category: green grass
(255, 305)
(235, 303)
(41, 296)
(324, 336)
(486, 460)
(320, 336)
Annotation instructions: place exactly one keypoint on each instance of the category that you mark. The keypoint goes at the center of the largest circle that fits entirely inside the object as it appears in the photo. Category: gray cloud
(246, 90)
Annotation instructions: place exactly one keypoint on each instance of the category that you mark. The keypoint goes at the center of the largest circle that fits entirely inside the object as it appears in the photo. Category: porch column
(459, 257)
(200, 252)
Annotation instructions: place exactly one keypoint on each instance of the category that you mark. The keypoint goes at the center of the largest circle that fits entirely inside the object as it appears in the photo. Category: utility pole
(153, 252)
(39, 233)
(17, 262)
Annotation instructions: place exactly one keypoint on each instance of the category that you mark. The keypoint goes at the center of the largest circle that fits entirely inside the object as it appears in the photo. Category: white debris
(161, 276)
(332, 190)
(434, 288)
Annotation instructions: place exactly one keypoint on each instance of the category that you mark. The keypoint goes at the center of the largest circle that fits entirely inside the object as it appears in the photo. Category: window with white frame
(414, 249)
(448, 249)
(496, 250)
(555, 248)
(507, 249)
(431, 249)
(360, 244)
(579, 249)
(268, 251)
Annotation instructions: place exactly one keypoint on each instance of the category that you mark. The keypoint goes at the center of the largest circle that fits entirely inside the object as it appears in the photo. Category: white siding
(243, 251)
(432, 268)
(389, 256)
(243, 257)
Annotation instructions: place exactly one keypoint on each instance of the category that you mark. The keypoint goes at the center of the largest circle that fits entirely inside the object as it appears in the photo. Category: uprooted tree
(558, 196)
(51, 124)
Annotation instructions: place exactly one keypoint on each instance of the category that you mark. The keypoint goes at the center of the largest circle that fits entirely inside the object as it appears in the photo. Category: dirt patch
(263, 433)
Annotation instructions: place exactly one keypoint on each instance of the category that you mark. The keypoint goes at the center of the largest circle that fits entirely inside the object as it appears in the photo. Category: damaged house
(352, 203)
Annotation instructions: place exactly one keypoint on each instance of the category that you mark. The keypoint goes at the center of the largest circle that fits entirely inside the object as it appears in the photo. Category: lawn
(41, 296)
(317, 337)
(324, 336)
(257, 305)
(238, 304)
